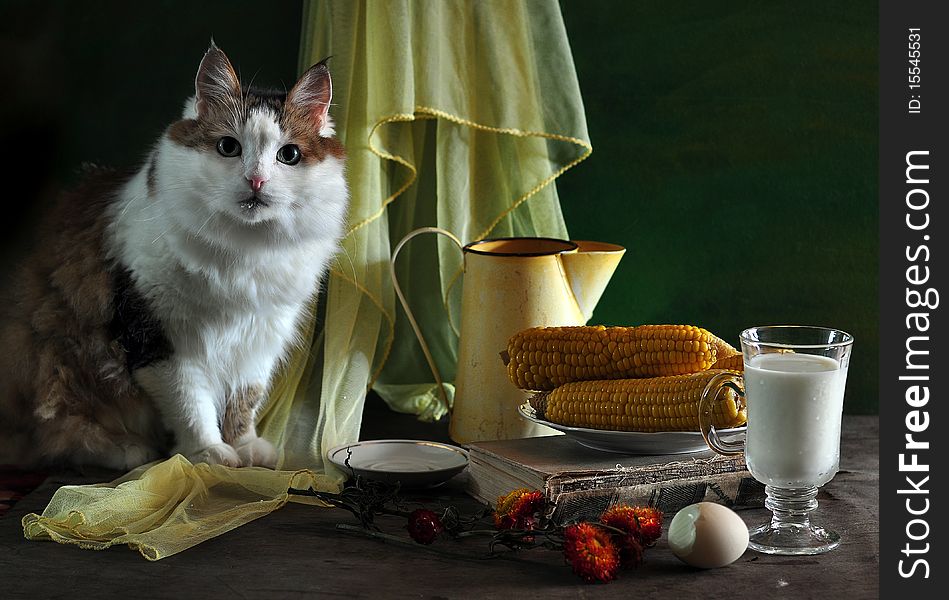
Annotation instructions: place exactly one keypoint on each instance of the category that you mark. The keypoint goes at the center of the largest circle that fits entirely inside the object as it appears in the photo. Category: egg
(707, 535)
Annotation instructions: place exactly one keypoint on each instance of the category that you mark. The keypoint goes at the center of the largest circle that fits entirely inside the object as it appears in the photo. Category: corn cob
(646, 405)
(731, 363)
(543, 358)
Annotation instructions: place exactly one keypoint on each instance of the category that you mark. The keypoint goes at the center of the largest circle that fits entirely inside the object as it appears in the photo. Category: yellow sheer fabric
(164, 508)
(454, 113)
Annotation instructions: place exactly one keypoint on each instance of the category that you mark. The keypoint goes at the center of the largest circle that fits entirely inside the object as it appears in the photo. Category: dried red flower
(629, 542)
(650, 524)
(424, 526)
(591, 552)
(622, 517)
(521, 509)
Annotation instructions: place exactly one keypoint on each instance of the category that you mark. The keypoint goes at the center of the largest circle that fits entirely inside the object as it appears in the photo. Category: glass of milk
(793, 387)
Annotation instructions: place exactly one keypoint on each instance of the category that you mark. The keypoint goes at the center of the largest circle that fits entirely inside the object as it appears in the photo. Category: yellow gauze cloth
(163, 508)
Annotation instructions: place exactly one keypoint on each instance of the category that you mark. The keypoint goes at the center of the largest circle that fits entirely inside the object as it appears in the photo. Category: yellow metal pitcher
(511, 284)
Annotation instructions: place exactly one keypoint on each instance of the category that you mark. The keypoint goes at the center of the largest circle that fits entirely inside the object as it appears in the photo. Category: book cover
(583, 482)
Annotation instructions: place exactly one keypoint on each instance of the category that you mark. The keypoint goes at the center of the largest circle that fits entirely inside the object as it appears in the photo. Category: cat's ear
(216, 81)
(313, 93)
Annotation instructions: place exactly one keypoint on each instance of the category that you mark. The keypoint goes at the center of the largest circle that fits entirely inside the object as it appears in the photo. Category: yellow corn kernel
(722, 348)
(647, 405)
(734, 362)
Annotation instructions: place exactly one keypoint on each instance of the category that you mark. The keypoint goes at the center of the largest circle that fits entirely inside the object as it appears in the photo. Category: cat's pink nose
(256, 182)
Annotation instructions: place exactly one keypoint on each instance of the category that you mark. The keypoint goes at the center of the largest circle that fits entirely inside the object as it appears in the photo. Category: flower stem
(474, 532)
(386, 537)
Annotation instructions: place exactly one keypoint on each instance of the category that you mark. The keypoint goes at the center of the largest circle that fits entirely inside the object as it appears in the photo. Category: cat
(159, 303)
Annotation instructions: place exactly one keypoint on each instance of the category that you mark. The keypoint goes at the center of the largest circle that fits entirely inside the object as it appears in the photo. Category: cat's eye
(228, 146)
(289, 154)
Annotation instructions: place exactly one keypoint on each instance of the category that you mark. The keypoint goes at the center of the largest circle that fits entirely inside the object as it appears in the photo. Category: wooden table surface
(297, 551)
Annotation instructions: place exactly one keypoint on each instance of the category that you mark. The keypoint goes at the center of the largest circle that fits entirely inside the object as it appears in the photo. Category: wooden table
(297, 551)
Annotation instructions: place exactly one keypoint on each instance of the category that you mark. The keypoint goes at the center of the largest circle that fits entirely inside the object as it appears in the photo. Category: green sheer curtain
(455, 114)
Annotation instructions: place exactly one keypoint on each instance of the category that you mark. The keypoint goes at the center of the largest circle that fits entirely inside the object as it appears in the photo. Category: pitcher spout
(589, 270)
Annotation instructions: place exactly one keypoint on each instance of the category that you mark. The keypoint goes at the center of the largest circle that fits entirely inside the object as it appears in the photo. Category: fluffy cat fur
(159, 303)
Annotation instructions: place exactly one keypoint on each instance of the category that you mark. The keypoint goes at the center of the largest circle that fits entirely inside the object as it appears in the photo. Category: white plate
(412, 463)
(632, 442)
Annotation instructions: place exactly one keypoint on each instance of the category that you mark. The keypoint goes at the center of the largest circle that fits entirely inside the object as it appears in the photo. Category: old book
(583, 482)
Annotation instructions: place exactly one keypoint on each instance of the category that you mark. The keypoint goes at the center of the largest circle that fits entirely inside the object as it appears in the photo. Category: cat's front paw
(257, 452)
(217, 454)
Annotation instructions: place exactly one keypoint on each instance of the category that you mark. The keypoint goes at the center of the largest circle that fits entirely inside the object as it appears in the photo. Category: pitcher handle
(408, 311)
(706, 404)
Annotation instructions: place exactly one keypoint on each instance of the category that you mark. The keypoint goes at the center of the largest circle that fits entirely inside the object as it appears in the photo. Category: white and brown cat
(158, 304)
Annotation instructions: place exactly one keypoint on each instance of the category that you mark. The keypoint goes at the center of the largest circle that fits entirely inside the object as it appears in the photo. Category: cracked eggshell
(707, 535)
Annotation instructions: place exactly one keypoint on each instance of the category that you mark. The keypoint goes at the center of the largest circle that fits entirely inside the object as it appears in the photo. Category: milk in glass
(795, 403)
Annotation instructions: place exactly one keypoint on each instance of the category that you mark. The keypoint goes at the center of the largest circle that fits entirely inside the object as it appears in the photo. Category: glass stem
(790, 507)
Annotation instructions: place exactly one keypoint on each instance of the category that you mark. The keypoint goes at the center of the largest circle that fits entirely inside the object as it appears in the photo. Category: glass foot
(790, 531)
(792, 539)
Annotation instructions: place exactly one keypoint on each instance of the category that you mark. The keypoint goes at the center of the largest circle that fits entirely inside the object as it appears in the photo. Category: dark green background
(735, 156)
(735, 143)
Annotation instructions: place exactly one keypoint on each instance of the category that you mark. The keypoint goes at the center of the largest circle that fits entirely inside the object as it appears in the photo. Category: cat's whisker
(203, 225)
(155, 218)
(162, 234)
(246, 89)
(160, 213)
(132, 199)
